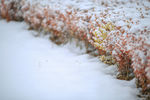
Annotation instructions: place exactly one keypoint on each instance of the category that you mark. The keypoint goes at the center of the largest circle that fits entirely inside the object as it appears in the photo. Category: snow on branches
(116, 27)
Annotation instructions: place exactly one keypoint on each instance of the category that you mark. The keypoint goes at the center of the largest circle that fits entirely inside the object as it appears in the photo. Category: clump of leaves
(101, 33)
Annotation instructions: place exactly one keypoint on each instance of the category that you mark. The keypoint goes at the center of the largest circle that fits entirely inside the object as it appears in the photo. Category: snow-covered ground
(33, 68)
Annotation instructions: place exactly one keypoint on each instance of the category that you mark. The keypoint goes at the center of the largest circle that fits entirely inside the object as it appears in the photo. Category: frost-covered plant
(127, 45)
(100, 34)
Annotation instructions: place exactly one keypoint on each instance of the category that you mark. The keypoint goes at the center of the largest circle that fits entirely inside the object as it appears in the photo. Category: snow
(33, 68)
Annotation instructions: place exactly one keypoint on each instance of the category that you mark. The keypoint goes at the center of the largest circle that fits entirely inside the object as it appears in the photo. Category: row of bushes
(131, 51)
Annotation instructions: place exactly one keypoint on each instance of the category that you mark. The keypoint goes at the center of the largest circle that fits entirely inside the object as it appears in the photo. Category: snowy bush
(116, 27)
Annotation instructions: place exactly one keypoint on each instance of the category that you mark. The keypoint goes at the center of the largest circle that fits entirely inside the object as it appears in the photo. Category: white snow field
(34, 68)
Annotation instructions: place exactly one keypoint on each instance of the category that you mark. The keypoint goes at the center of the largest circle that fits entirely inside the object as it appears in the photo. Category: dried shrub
(130, 49)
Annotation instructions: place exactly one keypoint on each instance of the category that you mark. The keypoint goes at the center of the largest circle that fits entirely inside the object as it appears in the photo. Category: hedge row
(127, 42)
